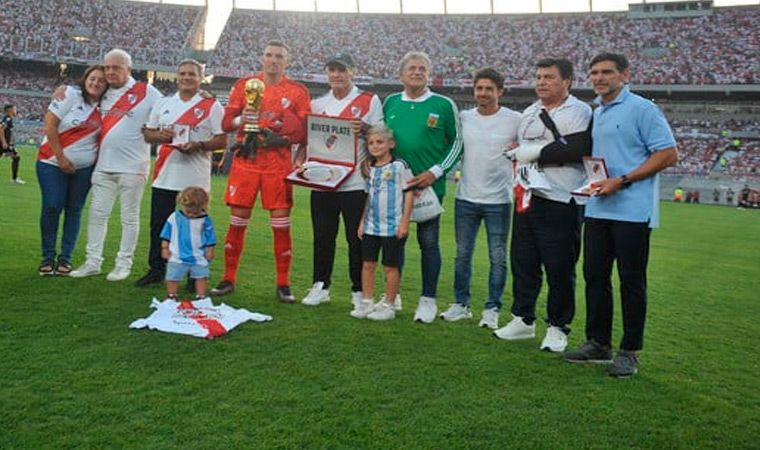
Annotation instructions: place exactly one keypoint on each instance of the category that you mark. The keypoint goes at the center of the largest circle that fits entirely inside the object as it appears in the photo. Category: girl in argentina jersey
(385, 223)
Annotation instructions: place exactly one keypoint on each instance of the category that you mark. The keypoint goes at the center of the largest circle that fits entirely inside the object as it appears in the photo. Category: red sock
(233, 247)
(282, 249)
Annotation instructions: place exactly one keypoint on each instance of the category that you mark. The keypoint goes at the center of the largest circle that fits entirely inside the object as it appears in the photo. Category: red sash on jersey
(71, 135)
(358, 107)
(213, 326)
(192, 117)
(128, 101)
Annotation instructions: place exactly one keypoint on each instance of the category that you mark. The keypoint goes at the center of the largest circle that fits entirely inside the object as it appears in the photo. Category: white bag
(426, 205)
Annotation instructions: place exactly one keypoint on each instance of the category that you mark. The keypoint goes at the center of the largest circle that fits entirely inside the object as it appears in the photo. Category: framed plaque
(596, 171)
(331, 153)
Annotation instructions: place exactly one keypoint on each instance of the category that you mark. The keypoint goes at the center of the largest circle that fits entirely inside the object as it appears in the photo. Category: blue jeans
(430, 255)
(467, 219)
(61, 192)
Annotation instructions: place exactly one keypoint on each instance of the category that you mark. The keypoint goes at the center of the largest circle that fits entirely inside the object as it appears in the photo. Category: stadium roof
(433, 6)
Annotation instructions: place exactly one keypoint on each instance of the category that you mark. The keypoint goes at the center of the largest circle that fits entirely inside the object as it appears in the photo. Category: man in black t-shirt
(7, 146)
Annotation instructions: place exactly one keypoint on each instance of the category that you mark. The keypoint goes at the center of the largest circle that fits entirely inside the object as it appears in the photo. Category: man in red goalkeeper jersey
(282, 119)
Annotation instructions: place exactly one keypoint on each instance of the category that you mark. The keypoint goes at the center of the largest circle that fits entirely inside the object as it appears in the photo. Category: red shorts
(245, 182)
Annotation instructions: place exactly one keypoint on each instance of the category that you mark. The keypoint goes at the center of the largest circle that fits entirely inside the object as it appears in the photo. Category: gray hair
(120, 54)
(191, 62)
(381, 129)
(414, 55)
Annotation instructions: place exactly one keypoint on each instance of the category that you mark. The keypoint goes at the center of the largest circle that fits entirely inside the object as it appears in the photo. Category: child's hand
(403, 231)
(360, 230)
(209, 254)
(165, 254)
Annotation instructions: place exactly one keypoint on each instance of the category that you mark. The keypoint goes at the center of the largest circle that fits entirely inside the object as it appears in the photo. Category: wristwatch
(626, 181)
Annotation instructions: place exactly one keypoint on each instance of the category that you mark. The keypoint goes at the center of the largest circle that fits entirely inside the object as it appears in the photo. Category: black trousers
(326, 209)
(605, 241)
(162, 204)
(548, 235)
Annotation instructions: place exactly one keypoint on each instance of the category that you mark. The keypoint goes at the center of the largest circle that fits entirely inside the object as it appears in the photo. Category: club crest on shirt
(132, 98)
(233, 190)
(387, 174)
(198, 113)
(432, 120)
(356, 112)
(331, 141)
(285, 102)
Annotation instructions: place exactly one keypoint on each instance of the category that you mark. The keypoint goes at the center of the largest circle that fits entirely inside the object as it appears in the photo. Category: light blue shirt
(188, 238)
(626, 132)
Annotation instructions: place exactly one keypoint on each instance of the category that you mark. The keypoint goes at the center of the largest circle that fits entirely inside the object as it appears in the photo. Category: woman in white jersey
(65, 162)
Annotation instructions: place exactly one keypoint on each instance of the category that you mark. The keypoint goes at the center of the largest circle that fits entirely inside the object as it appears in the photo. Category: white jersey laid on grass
(199, 318)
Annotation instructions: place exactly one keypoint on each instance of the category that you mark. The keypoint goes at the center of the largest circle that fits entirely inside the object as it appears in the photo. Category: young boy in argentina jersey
(384, 224)
(187, 242)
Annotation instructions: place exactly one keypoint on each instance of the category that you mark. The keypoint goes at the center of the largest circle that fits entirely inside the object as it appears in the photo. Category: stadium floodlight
(82, 34)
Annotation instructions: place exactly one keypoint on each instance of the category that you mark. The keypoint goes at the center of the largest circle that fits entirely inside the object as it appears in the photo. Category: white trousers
(106, 186)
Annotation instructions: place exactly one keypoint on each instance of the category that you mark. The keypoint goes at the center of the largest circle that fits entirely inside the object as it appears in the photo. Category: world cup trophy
(254, 94)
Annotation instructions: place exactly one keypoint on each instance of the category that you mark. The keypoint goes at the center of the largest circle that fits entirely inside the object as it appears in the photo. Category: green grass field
(74, 376)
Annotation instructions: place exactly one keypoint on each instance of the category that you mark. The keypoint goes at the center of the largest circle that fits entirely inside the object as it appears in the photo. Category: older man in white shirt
(122, 167)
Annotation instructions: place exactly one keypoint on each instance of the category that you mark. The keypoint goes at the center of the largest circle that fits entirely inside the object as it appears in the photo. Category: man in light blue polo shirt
(633, 137)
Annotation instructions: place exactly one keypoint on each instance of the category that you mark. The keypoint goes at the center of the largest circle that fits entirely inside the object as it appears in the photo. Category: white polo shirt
(486, 172)
(572, 116)
(181, 170)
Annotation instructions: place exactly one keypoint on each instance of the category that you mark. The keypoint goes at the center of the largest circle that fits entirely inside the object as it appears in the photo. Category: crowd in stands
(717, 49)
(40, 79)
(152, 33)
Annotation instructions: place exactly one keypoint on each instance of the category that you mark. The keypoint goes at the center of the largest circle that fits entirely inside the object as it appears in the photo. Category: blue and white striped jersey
(386, 198)
(188, 238)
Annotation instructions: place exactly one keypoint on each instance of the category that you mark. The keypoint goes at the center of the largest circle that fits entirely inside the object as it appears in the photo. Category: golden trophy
(254, 94)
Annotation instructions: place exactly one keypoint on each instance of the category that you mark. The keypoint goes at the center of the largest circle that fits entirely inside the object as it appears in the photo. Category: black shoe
(284, 294)
(152, 277)
(590, 352)
(223, 288)
(625, 365)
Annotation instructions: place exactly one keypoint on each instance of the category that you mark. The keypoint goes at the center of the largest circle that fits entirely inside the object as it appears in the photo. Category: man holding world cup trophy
(268, 110)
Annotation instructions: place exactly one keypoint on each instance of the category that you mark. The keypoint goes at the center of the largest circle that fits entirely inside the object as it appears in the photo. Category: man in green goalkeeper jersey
(428, 137)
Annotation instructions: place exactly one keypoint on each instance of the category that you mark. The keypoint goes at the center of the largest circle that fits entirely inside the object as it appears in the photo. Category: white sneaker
(490, 319)
(363, 309)
(456, 311)
(18, 181)
(317, 294)
(396, 305)
(383, 311)
(87, 269)
(516, 329)
(356, 298)
(555, 340)
(426, 310)
(118, 273)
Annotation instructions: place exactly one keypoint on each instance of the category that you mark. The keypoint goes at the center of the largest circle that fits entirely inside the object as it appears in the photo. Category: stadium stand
(37, 53)
(722, 48)
(83, 30)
